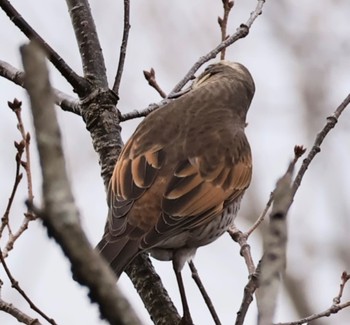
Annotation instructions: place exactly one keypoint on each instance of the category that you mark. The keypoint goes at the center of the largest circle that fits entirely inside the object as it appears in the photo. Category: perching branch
(123, 47)
(60, 214)
(78, 83)
(66, 102)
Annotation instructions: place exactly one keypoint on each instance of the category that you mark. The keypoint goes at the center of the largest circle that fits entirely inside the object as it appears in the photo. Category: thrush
(180, 178)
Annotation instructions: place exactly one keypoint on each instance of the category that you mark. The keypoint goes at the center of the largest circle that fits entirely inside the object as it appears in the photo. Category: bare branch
(22, 148)
(228, 5)
(331, 122)
(66, 102)
(88, 42)
(19, 315)
(241, 32)
(298, 152)
(249, 290)
(136, 114)
(60, 214)
(16, 285)
(123, 47)
(18, 178)
(336, 306)
(78, 83)
(151, 78)
(204, 293)
(275, 241)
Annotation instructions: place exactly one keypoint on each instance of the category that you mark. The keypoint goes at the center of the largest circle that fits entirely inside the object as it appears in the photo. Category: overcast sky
(298, 54)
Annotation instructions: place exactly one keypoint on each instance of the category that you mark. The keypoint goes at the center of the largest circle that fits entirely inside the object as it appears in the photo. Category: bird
(179, 180)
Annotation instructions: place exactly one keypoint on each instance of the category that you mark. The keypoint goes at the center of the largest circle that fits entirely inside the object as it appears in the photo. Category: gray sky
(298, 54)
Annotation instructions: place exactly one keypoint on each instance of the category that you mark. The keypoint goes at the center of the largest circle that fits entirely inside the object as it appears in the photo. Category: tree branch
(123, 47)
(60, 214)
(241, 32)
(16, 285)
(228, 5)
(88, 42)
(66, 102)
(275, 243)
(336, 306)
(78, 83)
(20, 316)
(331, 122)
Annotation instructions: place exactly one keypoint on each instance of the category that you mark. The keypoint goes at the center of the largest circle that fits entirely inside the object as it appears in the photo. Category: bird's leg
(186, 318)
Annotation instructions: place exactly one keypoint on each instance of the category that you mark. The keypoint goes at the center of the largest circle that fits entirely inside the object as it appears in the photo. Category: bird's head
(232, 76)
(235, 71)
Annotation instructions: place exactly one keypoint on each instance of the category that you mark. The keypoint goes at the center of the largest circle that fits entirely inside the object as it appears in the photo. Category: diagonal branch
(241, 32)
(78, 83)
(66, 102)
(331, 122)
(16, 285)
(123, 47)
(88, 42)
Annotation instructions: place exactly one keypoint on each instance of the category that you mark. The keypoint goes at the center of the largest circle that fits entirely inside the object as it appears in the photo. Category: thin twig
(228, 5)
(136, 114)
(18, 177)
(66, 102)
(336, 306)
(123, 47)
(78, 83)
(22, 147)
(241, 32)
(150, 76)
(331, 122)
(298, 152)
(16, 285)
(345, 277)
(204, 293)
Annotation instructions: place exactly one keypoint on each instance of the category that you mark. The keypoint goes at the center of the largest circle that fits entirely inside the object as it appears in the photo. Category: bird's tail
(118, 253)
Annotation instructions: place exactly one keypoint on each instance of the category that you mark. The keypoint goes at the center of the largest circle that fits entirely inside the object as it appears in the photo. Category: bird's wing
(199, 188)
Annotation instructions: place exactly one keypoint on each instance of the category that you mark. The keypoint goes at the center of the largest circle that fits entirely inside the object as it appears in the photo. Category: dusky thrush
(180, 178)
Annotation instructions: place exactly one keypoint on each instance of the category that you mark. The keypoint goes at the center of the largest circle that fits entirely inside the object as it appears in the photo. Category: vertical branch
(275, 241)
(123, 47)
(228, 5)
(88, 42)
